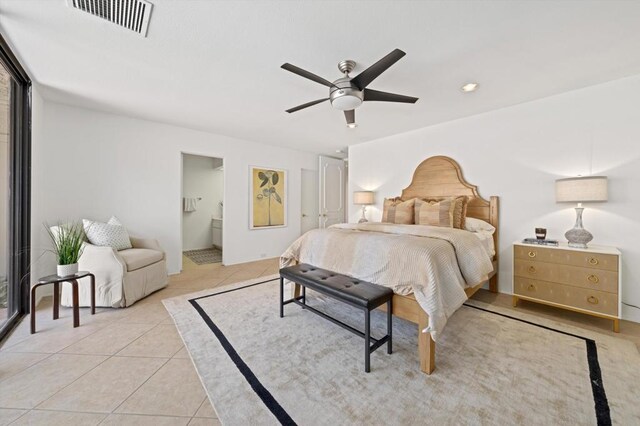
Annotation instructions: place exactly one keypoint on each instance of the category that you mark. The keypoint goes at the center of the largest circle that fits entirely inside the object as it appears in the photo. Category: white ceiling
(215, 66)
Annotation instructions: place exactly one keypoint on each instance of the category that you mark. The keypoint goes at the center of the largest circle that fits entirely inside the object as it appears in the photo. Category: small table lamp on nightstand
(363, 198)
(581, 190)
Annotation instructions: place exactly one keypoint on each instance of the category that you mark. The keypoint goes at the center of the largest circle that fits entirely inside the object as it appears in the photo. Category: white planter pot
(67, 270)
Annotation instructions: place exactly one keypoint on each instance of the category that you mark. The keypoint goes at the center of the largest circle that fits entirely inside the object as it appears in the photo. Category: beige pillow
(459, 209)
(397, 211)
(435, 213)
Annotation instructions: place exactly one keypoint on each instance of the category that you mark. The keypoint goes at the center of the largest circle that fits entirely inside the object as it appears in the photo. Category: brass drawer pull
(593, 261)
(532, 269)
(592, 300)
(593, 278)
(531, 287)
(532, 254)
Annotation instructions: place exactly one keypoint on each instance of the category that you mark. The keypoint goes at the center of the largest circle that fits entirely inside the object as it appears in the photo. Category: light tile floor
(129, 367)
(120, 367)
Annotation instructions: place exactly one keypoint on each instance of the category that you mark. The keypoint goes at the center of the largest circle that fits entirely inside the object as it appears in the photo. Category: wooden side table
(56, 281)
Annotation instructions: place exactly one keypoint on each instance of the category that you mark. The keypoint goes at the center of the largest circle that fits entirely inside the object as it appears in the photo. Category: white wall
(200, 179)
(92, 164)
(517, 153)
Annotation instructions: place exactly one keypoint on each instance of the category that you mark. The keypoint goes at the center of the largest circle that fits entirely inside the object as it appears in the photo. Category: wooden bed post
(426, 345)
(493, 220)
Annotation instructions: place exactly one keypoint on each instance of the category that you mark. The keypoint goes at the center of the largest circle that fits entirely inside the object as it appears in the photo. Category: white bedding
(433, 263)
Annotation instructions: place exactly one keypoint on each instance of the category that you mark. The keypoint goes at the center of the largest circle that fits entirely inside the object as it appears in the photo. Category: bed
(425, 293)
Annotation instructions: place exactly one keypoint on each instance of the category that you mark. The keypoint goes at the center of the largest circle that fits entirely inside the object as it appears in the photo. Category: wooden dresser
(581, 280)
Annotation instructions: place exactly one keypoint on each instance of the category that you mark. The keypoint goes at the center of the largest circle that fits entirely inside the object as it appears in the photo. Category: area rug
(491, 366)
(204, 256)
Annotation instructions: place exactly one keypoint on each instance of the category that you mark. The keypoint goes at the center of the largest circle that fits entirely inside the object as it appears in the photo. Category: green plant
(67, 241)
(270, 178)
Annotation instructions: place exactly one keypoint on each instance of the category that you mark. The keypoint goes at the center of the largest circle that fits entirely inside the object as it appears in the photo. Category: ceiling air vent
(130, 14)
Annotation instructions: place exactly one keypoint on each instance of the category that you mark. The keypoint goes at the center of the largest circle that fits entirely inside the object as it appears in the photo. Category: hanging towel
(190, 204)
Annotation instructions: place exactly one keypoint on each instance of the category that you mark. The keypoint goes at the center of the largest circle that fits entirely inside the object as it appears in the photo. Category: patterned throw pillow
(459, 209)
(111, 234)
(435, 213)
(397, 211)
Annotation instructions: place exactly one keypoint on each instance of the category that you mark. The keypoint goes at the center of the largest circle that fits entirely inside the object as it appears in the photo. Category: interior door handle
(304, 215)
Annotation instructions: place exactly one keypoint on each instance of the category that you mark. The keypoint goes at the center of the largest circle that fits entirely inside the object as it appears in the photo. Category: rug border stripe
(601, 404)
(262, 392)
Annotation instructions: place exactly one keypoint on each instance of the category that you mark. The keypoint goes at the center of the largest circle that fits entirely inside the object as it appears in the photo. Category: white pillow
(476, 225)
(111, 234)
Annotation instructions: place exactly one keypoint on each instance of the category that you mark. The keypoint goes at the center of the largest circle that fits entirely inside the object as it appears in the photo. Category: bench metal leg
(281, 297)
(389, 327)
(304, 296)
(367, 341)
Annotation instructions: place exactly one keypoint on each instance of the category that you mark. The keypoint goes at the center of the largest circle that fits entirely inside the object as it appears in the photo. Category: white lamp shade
(363, 197)
(582, 189)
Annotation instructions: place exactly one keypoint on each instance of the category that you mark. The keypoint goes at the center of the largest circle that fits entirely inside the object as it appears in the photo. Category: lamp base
(578, 237)
(363, 219)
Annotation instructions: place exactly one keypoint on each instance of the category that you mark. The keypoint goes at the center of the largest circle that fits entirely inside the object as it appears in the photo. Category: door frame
(19, 230)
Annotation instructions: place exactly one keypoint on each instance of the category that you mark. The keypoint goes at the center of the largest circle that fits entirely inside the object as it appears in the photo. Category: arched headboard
(440, 176)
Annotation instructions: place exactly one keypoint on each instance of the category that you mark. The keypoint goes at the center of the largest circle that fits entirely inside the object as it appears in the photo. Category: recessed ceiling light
(339, 151)
(469, 87)
(352, 125)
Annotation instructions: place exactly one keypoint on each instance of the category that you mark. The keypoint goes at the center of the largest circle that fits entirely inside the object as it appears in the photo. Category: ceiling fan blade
(306, 74)
(350, 115)
(363, 79)
(376, 95)
(308, 104)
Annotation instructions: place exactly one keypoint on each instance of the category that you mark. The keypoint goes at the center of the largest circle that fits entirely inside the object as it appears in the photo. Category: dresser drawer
(607, 262)
(581, 298)
(591, 278)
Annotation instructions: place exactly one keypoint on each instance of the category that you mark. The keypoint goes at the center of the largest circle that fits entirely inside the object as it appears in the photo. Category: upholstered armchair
(122, 277)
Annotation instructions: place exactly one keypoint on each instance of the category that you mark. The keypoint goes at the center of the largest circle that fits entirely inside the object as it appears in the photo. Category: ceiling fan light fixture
(470, 87)
(346, 102)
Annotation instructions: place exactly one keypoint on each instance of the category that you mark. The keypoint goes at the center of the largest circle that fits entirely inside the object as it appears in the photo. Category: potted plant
(68, 244)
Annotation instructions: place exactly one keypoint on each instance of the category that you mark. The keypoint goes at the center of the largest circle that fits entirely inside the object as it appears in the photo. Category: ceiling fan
(348, 93)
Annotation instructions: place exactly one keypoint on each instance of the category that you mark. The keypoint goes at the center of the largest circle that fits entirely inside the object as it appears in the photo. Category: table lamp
(581, 190)
(363, 198)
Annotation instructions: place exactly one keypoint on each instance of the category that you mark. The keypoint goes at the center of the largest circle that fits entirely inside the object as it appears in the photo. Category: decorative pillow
(435, 213)
(111, 234)
(459, 209)
(397, 211)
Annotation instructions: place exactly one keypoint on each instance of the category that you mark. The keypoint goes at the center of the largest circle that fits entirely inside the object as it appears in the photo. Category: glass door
(15, 199)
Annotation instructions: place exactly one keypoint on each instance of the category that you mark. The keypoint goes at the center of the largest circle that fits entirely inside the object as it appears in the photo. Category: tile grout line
(142, 384)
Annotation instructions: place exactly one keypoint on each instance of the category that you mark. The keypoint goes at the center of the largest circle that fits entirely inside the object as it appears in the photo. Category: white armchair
(122, 277)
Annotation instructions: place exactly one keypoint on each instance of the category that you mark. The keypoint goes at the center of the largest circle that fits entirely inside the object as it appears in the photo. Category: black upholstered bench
(360, 294)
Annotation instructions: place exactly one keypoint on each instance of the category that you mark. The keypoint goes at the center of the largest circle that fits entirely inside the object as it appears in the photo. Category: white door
(309, 208)
(332, 187)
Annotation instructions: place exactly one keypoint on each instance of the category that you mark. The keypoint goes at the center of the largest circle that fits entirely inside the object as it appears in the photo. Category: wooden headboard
(441, 176)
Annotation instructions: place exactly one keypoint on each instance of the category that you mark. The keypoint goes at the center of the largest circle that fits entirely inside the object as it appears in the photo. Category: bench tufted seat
(355, 292)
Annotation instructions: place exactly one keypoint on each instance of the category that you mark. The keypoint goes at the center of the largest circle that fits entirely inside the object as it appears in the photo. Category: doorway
(202, 210)
(332, 186)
